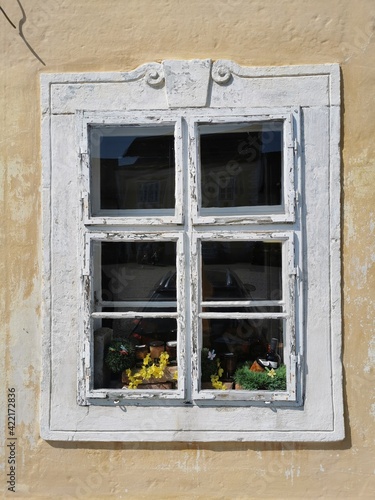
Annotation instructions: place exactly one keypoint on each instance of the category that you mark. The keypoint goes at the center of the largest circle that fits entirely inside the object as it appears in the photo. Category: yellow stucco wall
(93, 35)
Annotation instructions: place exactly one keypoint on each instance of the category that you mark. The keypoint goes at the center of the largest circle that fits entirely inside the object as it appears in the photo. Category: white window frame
(188, 93)
(290, 296)
(186, 122)
(137, 119)
(88, 395)
(256, 214)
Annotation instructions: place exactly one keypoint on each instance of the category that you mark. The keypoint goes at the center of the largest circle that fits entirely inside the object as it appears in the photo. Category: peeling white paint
(292, 472)
(311, 94)
(370, 364)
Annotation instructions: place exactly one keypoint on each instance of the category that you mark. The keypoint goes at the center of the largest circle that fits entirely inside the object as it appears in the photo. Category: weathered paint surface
(67, 35)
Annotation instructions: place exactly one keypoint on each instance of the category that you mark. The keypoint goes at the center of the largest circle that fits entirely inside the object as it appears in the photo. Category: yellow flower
(147, 359)
(148, 370)
(216, 383)
(271, 373)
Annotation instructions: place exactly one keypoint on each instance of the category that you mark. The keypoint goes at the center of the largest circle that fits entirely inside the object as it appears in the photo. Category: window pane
(135, 165)
(232, 347)
(233, 272)
(137, 277)
(151, 359)
(241, 165)
(247, 338)
(140, 272)
(241, 270)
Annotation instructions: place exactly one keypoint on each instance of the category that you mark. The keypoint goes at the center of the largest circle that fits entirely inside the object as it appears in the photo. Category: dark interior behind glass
(241, 165)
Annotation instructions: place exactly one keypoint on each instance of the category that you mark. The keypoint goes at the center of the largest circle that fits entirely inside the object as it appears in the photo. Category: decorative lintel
(187, 82)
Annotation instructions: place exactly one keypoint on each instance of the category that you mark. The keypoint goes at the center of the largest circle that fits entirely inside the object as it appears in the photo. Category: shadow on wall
(21, 23)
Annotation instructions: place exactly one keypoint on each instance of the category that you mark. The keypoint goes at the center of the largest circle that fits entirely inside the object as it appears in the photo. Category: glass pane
(241, 271)
(135, 165)
(142, 273)
(141, 330)
(137, 277)
(234, 347)
(124, 357)
(241, 165)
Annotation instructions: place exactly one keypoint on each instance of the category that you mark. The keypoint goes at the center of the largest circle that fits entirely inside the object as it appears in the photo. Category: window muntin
(146, 319)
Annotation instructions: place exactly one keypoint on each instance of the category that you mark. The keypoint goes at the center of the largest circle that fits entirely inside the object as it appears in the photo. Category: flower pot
(156, 348)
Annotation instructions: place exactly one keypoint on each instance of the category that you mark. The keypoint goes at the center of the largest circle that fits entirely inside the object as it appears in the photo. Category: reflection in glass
(242, 273)
(136, 167)
(241, 270)
(241, 165)
(136, 277)
(139, 277)
(137, 271)
(247, 338)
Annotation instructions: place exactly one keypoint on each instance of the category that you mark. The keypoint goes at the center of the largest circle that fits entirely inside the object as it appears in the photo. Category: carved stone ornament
(187, 82)
(152, 72)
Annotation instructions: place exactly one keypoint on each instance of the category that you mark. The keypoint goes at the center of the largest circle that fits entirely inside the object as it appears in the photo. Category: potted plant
(267, 380)
(120, 355)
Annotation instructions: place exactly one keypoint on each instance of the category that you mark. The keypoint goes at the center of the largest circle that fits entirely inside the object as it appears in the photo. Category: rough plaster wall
(76, 35)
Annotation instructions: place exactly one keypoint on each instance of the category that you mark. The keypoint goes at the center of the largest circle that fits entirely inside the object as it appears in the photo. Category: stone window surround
(202, 85)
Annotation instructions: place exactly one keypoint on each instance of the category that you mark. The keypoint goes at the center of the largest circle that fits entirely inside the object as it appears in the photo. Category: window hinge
(296, 198)
(85, 354)
(85, 204)
(83, 155)
(295, 146)
(297, 359)
(85, 271)
(86, 266)
(296, 272)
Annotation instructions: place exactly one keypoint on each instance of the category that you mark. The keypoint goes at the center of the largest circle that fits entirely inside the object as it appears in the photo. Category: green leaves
(266, 381)
(120, 356)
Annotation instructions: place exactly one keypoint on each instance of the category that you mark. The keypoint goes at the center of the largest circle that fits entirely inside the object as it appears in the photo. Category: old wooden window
(210, 282)
(191, 208)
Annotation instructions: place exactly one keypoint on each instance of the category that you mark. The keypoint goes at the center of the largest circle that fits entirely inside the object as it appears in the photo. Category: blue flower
(211, 354)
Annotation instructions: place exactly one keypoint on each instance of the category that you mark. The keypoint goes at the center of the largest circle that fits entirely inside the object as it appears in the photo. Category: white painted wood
(256, 214)
(309, 98)
(137, 120)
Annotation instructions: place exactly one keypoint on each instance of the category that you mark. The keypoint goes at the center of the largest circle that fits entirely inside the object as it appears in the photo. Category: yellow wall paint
(111, 35)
